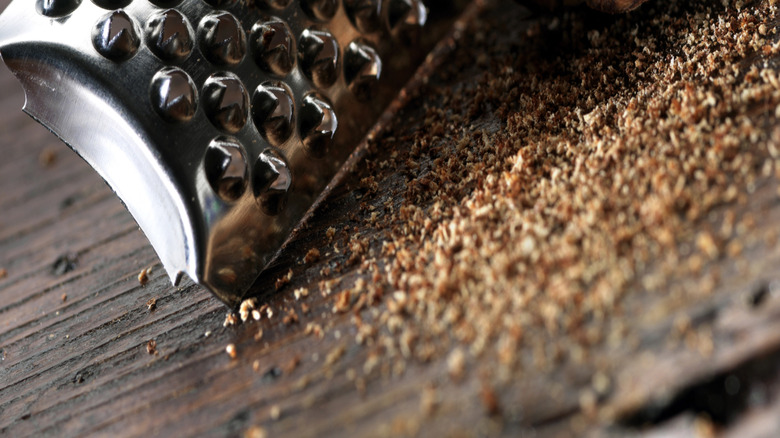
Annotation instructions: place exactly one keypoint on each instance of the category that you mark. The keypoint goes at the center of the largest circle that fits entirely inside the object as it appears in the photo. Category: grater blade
(217, 122)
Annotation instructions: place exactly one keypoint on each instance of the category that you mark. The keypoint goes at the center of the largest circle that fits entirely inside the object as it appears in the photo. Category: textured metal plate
(217, 122)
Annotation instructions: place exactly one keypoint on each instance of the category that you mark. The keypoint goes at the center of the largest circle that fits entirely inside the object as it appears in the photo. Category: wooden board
(701, 357)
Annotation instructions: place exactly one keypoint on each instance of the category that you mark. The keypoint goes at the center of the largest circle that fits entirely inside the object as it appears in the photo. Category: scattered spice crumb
(230, 319)
(707, 245)
(588, 402)
(47, 157)
(230, 349)
(428, 400)
(64, 297)
(301, 292)
(292, 365)
(601, 383)
(311, 256)
(256, 432)
(151, 305)
(315, 329)
(290, 318)
(371, 363)
(342, 302)
(151, 347)
(143, 276)
(490, 400)
(275, 412)
(456, 364)
(3, 273)
(283, 280)
(246, 308)
(335, 354)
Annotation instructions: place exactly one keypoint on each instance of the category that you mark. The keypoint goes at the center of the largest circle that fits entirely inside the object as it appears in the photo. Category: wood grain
(73, 341)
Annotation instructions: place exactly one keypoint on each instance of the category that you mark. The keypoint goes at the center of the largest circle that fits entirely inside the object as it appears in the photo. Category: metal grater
(217, 122)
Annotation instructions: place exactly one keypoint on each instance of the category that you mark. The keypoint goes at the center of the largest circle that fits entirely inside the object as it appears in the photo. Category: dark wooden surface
(74, 328)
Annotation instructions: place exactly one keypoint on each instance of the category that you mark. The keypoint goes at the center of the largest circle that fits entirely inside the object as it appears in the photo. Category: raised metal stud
(273, 46)
(56, 8)
(226, 102)
(169, 35)
(318, 57)
(322, 10)
(222, 39)
(362, 69)
(226, 168)
(173, 95)
(273, 111)
(114, 36)
(405, 19)
(318, 124)
(364, 14)
(271, 181)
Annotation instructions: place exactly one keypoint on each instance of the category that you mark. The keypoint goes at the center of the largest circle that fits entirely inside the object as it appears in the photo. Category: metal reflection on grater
(217, 122)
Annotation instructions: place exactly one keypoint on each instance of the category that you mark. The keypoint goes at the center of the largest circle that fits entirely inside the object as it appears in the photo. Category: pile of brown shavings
(533, 198)
(508, 217)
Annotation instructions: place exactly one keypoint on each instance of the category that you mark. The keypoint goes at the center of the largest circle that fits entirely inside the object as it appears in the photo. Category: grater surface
(217, 122)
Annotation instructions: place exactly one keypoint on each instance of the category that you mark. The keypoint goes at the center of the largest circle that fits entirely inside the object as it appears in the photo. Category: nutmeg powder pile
(550, 168)
(528, 201)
